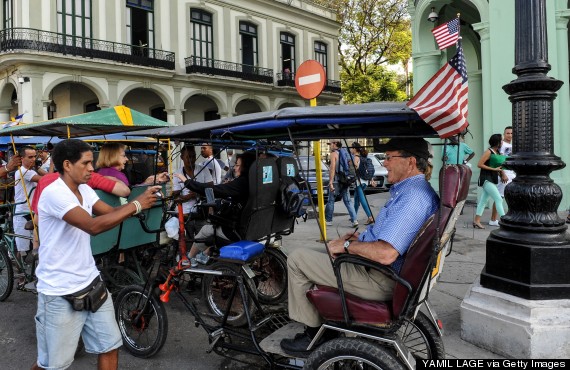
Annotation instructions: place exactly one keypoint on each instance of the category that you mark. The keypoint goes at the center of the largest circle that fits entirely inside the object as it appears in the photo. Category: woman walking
(490, 165)
(358, 152)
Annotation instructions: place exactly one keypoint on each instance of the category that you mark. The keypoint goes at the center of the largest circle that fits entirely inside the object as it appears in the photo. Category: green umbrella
(101, 122)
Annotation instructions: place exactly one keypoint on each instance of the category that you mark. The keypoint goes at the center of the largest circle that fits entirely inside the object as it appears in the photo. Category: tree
(373, 33)
(377, 84)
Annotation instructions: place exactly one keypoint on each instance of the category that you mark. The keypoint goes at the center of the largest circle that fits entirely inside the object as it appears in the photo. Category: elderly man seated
(412, 201)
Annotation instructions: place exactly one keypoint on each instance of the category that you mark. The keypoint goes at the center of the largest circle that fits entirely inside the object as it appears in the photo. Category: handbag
(90, 298)
(345, 180)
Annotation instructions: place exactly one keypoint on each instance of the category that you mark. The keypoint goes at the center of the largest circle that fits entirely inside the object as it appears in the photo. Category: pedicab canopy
(383, 119)
(104, 121)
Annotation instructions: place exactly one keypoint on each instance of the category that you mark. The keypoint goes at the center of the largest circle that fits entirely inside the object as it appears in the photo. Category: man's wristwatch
(346, 245)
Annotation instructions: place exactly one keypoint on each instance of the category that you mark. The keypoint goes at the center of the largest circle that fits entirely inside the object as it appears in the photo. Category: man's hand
(160, 178)
(14, 163)
(336, 247)
(504, 177)
(149, 197)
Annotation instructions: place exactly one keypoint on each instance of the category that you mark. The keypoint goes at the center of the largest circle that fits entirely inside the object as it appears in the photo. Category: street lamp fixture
(21, 79)
(433, 16)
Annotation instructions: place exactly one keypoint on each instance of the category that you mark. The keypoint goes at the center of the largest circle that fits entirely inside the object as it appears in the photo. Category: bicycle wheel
(142, 321)
(271, 276)
(352, 353)
(422, 339)
(217, 290)
(6, 274)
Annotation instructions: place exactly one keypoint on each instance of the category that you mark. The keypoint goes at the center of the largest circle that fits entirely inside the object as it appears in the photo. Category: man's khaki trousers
(309, 267)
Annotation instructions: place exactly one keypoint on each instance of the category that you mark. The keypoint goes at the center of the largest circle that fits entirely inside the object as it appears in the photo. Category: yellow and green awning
(101, 122)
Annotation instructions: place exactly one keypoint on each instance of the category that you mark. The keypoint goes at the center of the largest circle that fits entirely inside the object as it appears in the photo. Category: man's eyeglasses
(389, 157)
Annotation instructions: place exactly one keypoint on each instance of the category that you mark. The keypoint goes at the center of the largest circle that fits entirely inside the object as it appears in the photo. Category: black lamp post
(529, 256)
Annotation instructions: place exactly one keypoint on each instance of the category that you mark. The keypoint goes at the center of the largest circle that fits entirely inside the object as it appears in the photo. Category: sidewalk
(462, 267)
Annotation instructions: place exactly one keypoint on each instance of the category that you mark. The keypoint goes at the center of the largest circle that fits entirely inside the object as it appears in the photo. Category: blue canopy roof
(384, 119)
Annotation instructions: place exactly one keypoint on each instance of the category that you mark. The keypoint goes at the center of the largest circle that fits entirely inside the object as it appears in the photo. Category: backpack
(346, 172)
(294, 196)
(366, 169)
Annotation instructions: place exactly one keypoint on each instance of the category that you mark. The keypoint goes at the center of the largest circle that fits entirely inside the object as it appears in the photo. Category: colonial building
(181, 61)
(488, 34)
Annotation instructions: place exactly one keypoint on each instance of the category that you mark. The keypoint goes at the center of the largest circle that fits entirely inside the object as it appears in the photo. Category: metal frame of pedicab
(371, 120)
(92, 125)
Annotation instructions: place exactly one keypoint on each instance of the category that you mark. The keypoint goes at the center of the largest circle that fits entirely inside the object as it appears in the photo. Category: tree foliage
(373, 33)
(378, 84)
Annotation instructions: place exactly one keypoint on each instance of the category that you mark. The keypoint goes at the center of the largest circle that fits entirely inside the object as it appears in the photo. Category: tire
(271, 276)
(422, 339)
(216, 291)
(352, 353)
(6, 274)
(145, 337)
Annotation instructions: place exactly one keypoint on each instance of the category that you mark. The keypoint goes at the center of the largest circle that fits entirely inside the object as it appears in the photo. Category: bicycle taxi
(375, 335)
(127, 238)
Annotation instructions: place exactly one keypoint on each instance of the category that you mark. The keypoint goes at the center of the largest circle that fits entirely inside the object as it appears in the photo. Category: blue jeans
(58, 328)
(329, 208)
(359, 198)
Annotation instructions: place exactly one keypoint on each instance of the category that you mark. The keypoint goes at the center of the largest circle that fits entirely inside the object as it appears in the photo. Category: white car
(380, 172)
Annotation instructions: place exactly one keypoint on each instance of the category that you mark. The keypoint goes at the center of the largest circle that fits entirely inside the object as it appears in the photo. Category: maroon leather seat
(414, 272)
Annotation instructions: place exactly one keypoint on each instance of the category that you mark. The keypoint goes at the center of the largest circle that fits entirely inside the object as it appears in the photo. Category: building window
(8, 11)
(287, 53)
(248, 33)
(74, 19)
(202, 37)
(321, 55)
(140, 25)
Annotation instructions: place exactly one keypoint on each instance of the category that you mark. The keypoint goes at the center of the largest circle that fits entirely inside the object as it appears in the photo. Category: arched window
(202, 37)
(287, 52)
(248, 33)
(321, 55)
(74, 19)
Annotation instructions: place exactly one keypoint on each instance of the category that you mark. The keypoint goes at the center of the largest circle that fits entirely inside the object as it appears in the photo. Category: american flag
(442, 101)
(446, 34)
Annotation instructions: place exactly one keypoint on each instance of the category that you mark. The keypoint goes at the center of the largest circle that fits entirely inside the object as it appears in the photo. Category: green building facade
(488, 38)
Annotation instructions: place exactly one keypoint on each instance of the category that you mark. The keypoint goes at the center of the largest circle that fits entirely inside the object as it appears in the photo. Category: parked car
(308, 163)
(380, 174)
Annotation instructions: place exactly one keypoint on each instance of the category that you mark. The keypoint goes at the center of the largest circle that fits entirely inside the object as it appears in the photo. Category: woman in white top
(358, 152)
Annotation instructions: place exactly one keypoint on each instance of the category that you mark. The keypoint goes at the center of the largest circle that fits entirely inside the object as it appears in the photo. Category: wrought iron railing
(195, 64)
(286, 79)
(13, 39)
(333, 86)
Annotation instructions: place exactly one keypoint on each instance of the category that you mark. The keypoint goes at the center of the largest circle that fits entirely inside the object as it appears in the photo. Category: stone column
(522, 307)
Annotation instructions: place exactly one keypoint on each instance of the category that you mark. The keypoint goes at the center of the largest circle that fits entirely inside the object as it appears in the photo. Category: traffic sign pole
(319, 173)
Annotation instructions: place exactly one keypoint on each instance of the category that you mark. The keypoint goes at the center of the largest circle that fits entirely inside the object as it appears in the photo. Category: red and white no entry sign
(310, 79)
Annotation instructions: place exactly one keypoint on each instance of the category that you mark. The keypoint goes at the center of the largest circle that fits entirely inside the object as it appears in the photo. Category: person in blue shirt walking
(412, 201)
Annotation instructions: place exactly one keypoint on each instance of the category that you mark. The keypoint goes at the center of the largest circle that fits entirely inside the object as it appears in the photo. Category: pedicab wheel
(6, 274)
(271, 276)
(217, 291)
(352, 353)
(422, 339)
(142, 321)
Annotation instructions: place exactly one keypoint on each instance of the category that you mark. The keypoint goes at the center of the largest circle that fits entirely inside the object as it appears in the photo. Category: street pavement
(186, 345)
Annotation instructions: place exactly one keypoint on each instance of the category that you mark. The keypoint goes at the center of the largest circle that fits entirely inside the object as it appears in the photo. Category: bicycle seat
(244, 250)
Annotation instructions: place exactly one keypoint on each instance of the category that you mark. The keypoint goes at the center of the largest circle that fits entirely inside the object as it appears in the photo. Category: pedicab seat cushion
(328, 303)
(244, 250)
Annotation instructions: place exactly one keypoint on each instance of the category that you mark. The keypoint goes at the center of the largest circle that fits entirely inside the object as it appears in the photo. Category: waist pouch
(90, 298)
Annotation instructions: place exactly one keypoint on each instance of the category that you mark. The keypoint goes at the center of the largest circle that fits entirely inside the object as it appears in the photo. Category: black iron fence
(14, 39)
(288, 79)
(216, 67)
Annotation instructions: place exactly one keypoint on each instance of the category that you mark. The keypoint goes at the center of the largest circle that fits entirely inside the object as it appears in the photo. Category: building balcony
(215, 67)
(17, 39)
(333, 86)
(288, 79)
